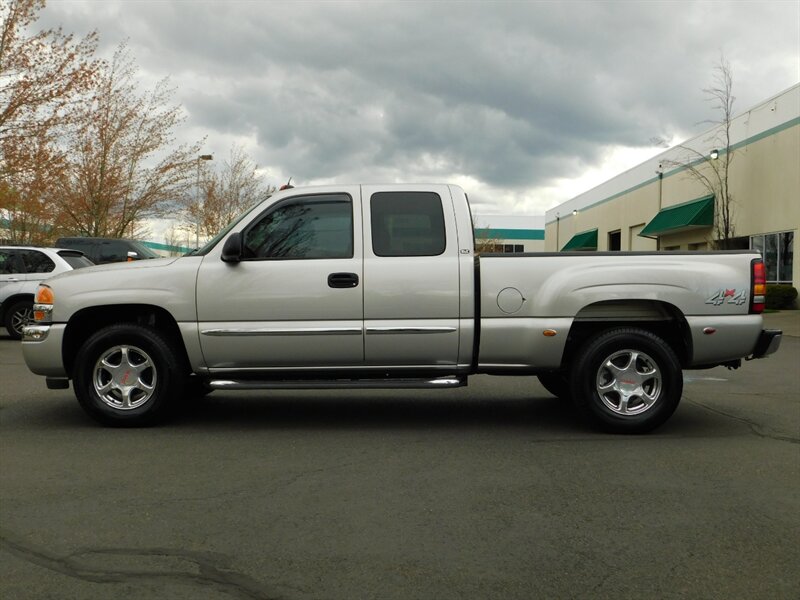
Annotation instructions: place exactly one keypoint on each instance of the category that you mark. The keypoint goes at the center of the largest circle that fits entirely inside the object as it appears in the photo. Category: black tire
(626, 380)
(128, 349)
(557, 383)
(18, 315)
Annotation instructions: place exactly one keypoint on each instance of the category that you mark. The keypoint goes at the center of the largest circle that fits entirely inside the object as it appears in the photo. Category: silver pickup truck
(378, 286)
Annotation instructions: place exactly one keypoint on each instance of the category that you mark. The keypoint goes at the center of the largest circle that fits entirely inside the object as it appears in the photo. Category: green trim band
(509, 234)
(166, 247)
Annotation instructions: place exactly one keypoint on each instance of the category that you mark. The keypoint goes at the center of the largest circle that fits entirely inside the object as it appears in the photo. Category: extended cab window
(407, 224)
(302, 228)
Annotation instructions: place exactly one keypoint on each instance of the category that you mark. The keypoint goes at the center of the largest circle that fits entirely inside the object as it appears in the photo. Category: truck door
(295, 299)
(411, 275)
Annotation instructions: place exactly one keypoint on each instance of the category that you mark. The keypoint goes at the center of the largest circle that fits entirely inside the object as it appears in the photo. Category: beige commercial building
(509, 234)
(663, 205)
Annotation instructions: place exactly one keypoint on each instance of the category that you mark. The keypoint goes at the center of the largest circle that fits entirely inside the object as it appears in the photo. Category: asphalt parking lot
(491, 491)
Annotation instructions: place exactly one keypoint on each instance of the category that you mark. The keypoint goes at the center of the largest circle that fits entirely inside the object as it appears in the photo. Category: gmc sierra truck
(378, 286)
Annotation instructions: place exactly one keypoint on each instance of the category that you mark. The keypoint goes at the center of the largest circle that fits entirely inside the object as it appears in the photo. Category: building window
(615, 240)
(777, 249)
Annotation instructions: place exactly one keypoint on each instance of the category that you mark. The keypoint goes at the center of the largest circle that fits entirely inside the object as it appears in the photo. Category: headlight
(43, 304)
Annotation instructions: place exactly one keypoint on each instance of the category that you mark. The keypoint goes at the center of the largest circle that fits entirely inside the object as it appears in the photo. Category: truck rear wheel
(128, 375)
(626, 380)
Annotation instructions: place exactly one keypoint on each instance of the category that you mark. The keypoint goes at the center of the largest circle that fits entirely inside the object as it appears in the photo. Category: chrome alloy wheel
(21, 318)
(124, 377)
(629, 382)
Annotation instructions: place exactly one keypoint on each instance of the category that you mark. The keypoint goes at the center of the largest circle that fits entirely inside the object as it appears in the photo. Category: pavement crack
(133, 565)
(759, 430)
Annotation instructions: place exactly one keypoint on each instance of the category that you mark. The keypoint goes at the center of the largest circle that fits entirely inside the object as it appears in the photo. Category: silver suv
(21, 270)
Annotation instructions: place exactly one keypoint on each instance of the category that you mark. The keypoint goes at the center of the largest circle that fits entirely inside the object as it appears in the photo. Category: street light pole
(197, 199)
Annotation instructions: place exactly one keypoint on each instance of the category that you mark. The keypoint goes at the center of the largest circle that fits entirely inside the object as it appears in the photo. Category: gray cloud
(513, 95)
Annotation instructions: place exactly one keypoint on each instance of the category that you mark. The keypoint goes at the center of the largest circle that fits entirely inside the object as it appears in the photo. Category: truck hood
(137, 265)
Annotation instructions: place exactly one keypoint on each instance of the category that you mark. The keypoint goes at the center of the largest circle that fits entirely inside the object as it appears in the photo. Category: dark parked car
(21, 270)
(107, 250)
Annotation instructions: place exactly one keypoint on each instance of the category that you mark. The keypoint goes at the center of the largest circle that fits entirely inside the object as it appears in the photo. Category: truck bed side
(686, 294)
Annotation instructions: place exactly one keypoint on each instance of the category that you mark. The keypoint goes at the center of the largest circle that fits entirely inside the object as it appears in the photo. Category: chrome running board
(323, 384)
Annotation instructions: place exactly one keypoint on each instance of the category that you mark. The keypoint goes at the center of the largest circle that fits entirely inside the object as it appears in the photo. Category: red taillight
(759, 291)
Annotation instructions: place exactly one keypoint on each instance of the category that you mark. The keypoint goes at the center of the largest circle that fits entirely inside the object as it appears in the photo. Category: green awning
(586, 240)
(683, 217)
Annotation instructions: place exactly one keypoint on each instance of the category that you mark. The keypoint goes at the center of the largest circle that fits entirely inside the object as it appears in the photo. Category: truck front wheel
(127, 375)
(626, 380)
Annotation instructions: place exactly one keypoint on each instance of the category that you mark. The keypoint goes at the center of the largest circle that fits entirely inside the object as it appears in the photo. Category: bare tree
(175, 238)
(712, 170)
(122, 166)
(225, 194)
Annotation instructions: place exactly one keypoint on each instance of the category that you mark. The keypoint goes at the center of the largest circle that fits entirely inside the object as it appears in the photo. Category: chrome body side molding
(267, 331)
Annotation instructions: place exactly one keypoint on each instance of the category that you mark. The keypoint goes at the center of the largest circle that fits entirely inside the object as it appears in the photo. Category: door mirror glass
(232, 250)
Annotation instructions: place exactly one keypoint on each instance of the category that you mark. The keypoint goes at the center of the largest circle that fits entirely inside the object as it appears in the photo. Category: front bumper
(41, 348)
(768, 342)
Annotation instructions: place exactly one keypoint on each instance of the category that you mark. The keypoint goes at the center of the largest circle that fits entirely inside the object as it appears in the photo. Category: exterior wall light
(714, 154)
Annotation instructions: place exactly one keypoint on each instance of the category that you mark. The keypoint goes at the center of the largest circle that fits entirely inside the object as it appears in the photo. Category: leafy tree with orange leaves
(43, 78)
(122, 165)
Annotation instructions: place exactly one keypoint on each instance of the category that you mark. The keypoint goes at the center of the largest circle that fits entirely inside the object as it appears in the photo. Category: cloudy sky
(524, 104)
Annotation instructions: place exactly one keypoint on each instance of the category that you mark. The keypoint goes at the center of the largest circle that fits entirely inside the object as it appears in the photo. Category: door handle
(342, 280)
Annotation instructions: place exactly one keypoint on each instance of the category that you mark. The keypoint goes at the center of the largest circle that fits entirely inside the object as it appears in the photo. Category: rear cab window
(407, 224)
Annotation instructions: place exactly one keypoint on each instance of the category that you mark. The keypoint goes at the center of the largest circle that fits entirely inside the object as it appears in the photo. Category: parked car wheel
(627, 380)
(18, 315)
(556, 383)
(128, 376)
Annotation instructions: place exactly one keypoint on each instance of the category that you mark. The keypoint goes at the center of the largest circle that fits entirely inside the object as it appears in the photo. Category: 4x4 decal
(729, 296)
